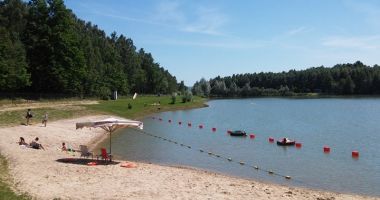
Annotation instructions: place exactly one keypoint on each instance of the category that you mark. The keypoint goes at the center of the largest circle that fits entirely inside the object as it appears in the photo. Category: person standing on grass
(45, 119)
(28, 116)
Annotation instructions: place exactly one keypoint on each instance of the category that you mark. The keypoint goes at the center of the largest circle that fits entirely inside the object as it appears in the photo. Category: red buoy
(213, 129)
(179, 123)
(160, 119)
(252, 136)
(169, 120)
(298, 145)
(189, 124)
(271, 139)
(326, 149)
(201, 126)
(355, 154)
(229, 131)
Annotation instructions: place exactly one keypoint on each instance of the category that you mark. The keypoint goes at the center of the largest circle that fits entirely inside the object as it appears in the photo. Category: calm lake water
(344, 124)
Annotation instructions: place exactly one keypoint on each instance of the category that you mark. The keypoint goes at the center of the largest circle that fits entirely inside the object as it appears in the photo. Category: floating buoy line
(298, 145)
(217, 156)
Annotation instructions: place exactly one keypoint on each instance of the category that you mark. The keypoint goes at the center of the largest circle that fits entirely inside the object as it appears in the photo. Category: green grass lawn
(144, 105)
(6, 193)
(140, 107)
(17, 117)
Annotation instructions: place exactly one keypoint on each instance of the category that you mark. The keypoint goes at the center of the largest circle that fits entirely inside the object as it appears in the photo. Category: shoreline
(40, 174)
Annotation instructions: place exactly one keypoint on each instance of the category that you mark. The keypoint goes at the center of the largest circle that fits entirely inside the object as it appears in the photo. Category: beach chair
(104, 155)
(84, 152)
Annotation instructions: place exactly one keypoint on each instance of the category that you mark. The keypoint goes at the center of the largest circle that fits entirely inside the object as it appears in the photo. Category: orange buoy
(298, 145)
(271, 139)
(200, 126)
(213, 129)
(355, 154)
(179, 123)
(326, 149)
(252, 136)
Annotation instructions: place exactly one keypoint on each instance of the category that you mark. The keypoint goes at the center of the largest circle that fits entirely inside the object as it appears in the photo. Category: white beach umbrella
(110, 125)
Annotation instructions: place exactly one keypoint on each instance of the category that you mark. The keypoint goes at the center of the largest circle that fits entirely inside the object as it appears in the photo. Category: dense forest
(46, 49)
(342, 79)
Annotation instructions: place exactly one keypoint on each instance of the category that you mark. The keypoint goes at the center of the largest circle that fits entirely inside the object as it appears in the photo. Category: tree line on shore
(342, 79)
(45, 48)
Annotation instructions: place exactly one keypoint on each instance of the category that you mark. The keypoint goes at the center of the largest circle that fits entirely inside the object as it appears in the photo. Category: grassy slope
(5, 191)
(17, 117)
(142, 106)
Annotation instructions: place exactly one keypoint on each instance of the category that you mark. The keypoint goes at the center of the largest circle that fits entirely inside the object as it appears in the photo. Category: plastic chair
(85, 152)
(104, 155)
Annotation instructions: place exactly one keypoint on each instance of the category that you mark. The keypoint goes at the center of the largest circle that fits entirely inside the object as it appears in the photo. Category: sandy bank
(38, 173)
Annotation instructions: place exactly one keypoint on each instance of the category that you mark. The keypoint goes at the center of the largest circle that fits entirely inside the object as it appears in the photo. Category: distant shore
(44, 174)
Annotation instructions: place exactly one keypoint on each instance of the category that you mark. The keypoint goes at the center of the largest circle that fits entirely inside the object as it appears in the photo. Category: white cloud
(360, 42)
(198, 19)
(173, 14)
(298, 30)
(169, 12)
(369, 10)
(208, 21)
(230, 44)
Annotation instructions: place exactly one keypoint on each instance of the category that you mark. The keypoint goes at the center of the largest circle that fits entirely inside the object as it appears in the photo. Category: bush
(174, 98)
(187, 97)
(104, 93)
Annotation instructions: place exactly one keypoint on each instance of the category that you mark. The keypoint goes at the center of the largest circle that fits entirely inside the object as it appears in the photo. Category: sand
(46, 174)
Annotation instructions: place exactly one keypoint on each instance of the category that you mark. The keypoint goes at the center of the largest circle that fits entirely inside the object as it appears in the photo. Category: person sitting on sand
(35, 145)
(63, 148)
(22, 141)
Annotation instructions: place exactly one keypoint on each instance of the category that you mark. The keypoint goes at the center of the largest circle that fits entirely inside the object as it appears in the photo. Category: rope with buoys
(298, 145)
(217, 156)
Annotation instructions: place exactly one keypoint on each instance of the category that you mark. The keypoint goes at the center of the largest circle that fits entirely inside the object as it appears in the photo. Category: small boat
(286, 142)
(238, 133)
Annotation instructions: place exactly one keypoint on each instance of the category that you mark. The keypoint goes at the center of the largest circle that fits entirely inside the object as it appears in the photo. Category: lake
(343, 124)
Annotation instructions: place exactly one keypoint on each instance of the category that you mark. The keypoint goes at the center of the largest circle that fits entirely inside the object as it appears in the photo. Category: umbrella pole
(110, 141)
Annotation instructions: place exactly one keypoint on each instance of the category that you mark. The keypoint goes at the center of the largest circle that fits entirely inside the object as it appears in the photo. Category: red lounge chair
(105, 156)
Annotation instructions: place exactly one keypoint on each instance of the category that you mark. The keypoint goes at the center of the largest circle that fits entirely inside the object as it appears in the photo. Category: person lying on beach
(35, 145)
(22, 142)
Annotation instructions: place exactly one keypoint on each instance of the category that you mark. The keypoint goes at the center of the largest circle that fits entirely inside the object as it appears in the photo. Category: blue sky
(207, 38)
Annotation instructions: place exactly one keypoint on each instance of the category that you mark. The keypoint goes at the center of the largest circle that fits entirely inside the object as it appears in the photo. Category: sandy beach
(48, 174)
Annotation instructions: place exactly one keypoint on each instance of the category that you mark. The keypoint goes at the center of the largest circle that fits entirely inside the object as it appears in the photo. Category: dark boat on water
(238, 133)
(286, 142)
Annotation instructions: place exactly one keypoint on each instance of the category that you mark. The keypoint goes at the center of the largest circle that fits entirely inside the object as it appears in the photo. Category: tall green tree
(13, 66)
(45, 48)
(13, 72)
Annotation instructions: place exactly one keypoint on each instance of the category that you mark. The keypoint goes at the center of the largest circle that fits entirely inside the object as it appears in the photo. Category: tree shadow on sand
(85, 161)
